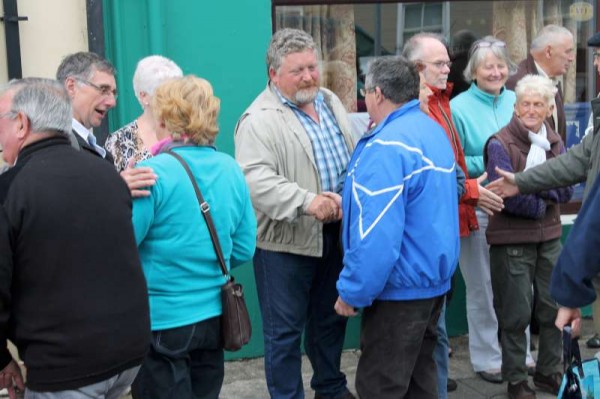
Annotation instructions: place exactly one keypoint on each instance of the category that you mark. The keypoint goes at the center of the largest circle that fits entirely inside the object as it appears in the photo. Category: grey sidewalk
(245, 379)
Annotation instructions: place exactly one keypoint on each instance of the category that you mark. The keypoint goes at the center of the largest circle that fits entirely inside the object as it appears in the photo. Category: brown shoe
(520, 390)
(549, 383)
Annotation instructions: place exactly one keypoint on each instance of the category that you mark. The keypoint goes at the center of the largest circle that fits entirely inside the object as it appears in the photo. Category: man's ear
(548, 51)
(70, 86)
(24, 127)
(272, 74)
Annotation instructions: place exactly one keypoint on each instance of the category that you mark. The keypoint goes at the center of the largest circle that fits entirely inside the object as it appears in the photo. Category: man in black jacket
(72, 294)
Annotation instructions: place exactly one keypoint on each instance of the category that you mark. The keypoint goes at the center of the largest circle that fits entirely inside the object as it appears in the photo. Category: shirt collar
(81, 130)
(543, 73)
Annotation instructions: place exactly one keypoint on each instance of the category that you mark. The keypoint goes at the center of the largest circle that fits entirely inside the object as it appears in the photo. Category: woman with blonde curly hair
(181, 267)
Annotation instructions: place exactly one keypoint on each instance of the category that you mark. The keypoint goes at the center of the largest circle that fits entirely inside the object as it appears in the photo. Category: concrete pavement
(245, 379)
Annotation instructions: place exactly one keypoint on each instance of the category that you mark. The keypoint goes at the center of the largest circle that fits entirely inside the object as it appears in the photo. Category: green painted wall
(222, 41)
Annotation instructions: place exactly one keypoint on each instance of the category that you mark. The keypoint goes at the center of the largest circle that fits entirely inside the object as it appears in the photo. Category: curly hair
(188, 107)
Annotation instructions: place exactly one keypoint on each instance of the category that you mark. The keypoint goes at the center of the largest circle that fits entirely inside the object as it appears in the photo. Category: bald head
(429, 53)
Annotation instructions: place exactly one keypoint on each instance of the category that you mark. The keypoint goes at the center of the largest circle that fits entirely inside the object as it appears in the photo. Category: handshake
(326, 207)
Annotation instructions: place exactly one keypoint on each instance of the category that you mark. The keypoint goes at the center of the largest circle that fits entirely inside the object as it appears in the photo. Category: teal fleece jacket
(179, 261)
(477, 115)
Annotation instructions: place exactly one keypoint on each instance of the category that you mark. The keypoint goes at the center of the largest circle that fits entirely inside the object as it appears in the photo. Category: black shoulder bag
(236, 329)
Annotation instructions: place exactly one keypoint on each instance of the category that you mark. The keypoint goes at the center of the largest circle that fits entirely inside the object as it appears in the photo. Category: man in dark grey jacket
(73, 298)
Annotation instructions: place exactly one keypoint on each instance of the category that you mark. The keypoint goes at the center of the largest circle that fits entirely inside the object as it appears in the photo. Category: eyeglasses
(363, 92)
(9, 115)
(105, 90)
(485, 44)
(438, 64)
(596, 54)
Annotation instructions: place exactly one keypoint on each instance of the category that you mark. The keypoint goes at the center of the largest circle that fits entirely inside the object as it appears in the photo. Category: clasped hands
(326, 207)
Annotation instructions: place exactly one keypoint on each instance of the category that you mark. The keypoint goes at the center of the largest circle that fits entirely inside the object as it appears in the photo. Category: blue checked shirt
(329, 147)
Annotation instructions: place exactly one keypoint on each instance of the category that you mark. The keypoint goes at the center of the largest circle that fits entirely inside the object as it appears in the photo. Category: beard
(306, 95)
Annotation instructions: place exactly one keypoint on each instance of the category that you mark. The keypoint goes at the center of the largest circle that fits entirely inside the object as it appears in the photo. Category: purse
(581, 380)
(236, 328)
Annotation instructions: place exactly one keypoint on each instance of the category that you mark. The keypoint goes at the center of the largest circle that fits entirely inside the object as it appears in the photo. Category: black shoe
(531, 371)
(593, 342)
(494, 378)
(549, 383)
(451, 385)
(520, 390)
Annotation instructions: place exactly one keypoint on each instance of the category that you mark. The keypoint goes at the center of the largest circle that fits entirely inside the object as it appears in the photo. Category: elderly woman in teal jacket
(478, 113)
(179, 261)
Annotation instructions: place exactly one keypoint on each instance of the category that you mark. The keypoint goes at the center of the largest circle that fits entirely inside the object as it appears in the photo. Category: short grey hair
(478, 53)
(287, 41)
(548, 35)
(396, 77)
(413, 47)
(151, 71)
(536, 84)
(44, 101)
(83, 65)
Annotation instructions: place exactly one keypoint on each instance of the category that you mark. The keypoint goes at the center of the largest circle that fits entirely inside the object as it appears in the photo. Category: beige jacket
(277, 158)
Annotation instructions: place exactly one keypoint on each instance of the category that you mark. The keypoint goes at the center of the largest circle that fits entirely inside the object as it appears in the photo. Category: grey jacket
(580, 163)
(277, 158)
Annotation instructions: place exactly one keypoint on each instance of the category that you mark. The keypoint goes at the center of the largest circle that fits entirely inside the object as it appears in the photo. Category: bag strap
(205, 210)
(571, 352)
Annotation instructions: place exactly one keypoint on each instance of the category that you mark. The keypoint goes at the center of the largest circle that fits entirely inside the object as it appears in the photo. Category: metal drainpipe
(11, 21)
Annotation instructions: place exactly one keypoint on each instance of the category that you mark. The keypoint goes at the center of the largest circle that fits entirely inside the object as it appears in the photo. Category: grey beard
(305, 96)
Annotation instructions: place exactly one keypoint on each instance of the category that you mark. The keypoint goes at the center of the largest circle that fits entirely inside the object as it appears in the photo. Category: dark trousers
(297, 294)
(514, 269)
(397, 341)
(183, 362)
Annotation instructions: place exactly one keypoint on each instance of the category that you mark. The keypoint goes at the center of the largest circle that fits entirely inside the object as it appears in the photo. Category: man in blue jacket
(400, 236)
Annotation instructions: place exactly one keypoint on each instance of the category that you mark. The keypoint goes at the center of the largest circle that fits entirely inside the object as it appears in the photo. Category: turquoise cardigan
(477, 115)
(179, 261)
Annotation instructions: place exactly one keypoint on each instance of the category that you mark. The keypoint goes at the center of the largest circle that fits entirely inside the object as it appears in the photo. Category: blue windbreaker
(400, 225)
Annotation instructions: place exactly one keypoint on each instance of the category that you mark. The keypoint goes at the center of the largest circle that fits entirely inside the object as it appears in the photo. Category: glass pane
(412, 15)
(433, 14)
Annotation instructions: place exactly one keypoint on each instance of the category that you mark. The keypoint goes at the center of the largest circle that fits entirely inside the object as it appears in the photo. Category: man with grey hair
(430, 55)
(90, 82)
(293, 144)
(551, 54)
(73, 298)
(401, 240)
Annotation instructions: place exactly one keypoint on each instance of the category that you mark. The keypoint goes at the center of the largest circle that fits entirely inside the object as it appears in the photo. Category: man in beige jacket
(294, 143)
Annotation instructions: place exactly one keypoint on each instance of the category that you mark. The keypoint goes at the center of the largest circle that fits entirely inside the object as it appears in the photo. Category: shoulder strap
(205, 209)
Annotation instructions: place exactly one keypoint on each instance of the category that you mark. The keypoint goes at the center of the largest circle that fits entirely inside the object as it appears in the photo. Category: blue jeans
(111, 388)
(440, 355)
(297, 294)
(183, 362)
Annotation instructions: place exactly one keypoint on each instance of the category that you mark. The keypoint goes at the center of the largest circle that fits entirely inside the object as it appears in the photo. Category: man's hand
(326, 207)
(11, 376)
(488, 201)
(138, 178)
(343, 309)
(568, 316)
(505, 186)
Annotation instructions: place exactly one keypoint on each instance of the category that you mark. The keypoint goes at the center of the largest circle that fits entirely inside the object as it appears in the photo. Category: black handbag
(236, 328)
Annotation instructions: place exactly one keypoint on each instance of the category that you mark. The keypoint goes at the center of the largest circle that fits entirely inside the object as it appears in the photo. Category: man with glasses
(400, 231)
(428, 52)
(90, 83)
(551, 54)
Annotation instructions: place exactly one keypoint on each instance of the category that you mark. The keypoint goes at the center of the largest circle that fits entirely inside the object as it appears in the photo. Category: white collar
(81, 130)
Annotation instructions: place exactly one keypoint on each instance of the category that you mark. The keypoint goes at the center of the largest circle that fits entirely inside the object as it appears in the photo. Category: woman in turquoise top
(179, 261)
(478, 113)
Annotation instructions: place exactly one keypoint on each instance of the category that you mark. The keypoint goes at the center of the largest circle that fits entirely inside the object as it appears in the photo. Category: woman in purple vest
(525, 240)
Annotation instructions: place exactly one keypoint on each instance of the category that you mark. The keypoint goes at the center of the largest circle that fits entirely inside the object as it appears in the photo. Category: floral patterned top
(126, 144)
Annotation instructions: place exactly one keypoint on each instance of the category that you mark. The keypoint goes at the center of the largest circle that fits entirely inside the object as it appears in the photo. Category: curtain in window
(332, 27)
(517, 22)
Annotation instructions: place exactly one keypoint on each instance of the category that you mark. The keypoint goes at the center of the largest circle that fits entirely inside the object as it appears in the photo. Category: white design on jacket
(356, 187)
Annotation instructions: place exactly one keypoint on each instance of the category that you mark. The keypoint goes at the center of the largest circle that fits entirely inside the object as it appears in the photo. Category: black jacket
(72, 293)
